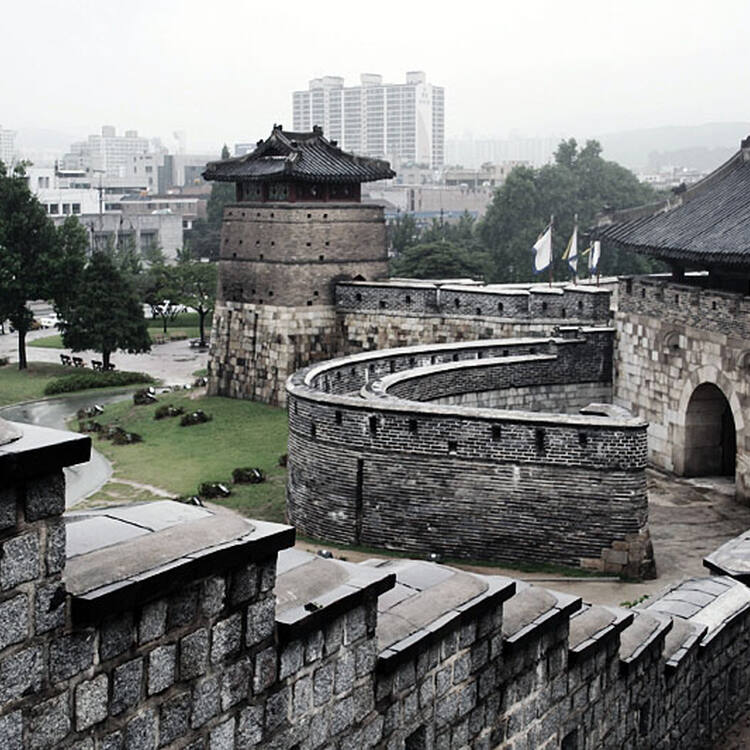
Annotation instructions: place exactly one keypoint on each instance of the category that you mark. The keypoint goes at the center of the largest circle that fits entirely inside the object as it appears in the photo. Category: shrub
(144, 396)
(82, 381)
(195, 417)
(167, 410)
(248, 475)
(214, 489)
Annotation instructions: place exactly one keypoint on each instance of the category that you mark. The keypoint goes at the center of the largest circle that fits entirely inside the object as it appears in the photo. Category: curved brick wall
(371, 462)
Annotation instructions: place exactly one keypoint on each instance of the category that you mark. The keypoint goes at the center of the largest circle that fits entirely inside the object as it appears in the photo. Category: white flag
(543, 250)
(596, 251)
(571, 251)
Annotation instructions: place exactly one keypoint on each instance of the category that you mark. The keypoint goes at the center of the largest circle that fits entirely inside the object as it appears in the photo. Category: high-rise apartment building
(109, 153)
(401, 122)
(7, 146)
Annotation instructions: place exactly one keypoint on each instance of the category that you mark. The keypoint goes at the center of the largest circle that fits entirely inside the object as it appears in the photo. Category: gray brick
(222, 736)
(71, 654)
(193, 654)
(126, 686)
(291, 659)
(268, 575)
(226, 638)
(244, 584)
(250, 726)
(55, 555)
(213, 594)
(260, 621)
(277, 709)
(302, 695)
(91, 702)
(265, 670)
(14, 620)
(314, 646)
(356, 627)
(140, 733)
(8, 508)
(235, 682)
(183, 608)
(323, 684)
(153, 621)
(342, 716)
(45, 497)
(49, 607)
(206, 701)
(116, 636)
(11, 729)
(174, 718)
(162, 668)
(112, 741)
(21, 674)
(49, 722)
(19, 560)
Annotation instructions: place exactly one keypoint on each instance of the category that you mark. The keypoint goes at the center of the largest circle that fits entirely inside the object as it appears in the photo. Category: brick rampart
(392, 470)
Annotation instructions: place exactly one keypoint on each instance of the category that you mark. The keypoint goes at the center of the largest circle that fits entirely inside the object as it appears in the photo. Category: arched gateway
(710, 433)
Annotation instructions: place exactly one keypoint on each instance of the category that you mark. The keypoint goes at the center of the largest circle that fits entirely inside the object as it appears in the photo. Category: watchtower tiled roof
(705, 225)
(307, 157)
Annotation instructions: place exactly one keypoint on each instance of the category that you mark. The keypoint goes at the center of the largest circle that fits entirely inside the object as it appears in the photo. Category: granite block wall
(671, 338)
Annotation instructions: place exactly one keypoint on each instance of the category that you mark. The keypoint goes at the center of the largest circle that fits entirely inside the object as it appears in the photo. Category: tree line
(98, 297)
(498, 246)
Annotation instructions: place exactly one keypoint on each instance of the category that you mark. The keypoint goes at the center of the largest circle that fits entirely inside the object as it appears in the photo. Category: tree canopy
(36, 261)
(106, 314)
(197, 285)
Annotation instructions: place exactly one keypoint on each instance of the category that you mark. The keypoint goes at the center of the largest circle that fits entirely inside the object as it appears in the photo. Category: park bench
(109, 367)
(96, 365)
(195, 343)
(66, 360)
(78, 362)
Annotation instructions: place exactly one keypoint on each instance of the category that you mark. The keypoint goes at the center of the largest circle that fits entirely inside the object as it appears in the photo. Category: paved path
(173, 363)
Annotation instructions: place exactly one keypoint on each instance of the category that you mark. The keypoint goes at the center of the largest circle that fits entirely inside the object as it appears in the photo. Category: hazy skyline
(224, 71)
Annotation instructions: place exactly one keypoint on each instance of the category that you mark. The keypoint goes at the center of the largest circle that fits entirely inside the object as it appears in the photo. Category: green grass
(55, 341)
(27, 385)
(185, 320)
(178, 459)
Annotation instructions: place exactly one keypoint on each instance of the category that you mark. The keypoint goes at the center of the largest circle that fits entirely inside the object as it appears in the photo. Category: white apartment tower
(402, 122)
(108, 153)
(7, 146)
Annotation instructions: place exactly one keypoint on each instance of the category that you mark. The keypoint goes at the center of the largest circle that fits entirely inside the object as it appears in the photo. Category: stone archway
(710, 447)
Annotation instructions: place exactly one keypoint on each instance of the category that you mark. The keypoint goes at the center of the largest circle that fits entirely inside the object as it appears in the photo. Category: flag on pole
(543, 250)
(571, 251)
(594, 255)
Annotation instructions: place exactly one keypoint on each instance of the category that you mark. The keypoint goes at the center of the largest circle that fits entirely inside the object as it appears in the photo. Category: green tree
(198, 289)
(106, 314)
(160, 290)
(403, 232)
(68, 264)
(439, 259)
(578, 182)
(30, 253)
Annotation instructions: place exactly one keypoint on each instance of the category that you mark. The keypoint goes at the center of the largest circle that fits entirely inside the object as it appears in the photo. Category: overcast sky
(224, 70)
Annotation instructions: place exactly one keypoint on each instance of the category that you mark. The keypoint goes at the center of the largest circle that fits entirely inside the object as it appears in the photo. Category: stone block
(162, 668)
(153, 621)
(323, 684)
(174, 718)
(344, 679)
(55, 553)
(277, 709)
(292, 658)
(194, 654)
(45, 497)
(91, 702)
(213, 594)
(14, 620)
(21, 674)
(206, 701)
(116, 636)
(235, 682)
(126, 686)
(49, 722)
(342, 716)
(112, 741)
(250, 726)
(11, 731)
(226, 638)
(8, 508)
(222, 736)
(265, 670)
(260, 621)
(19, 560)
(71, 654)
(140, 733)
(244, 584)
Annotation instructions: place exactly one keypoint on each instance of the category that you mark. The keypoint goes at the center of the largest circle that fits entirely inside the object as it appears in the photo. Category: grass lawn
(26, 385)
(178, 459)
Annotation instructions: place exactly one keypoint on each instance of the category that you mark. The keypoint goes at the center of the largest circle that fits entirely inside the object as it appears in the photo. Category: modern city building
(402, 122)
(7, 145)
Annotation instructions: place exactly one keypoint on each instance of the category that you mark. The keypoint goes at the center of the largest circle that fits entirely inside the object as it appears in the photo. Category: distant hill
(695, 146)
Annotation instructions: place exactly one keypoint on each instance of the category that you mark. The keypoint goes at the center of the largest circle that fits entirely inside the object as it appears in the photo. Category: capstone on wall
(672, 338)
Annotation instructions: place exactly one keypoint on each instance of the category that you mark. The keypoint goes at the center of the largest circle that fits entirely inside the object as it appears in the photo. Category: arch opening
(710, 434)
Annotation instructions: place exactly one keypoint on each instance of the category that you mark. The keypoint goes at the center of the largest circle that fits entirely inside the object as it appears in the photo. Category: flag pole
(551, 256)
(575, 229)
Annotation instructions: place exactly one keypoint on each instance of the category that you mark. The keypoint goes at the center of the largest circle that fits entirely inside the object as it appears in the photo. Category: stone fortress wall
(249, 645)
(671, 339)
(256, 345)
(373, 460)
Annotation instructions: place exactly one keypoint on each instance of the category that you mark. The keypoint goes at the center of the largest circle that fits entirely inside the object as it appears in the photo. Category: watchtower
(298, 227)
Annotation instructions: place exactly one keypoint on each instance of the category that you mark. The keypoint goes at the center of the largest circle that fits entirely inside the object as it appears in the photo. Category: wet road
(81, 479)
